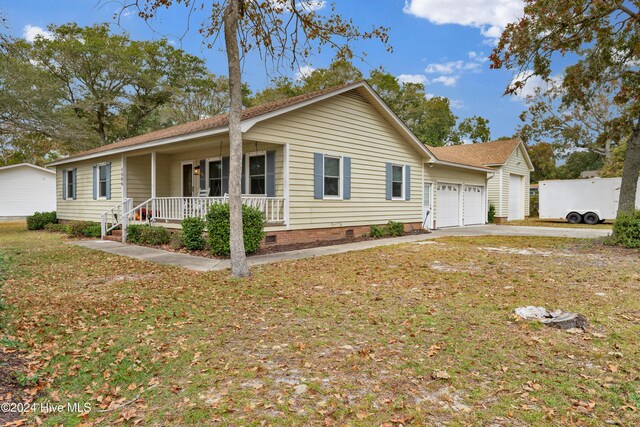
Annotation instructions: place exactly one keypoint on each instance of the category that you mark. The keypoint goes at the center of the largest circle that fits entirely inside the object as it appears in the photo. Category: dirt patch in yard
(11, 392)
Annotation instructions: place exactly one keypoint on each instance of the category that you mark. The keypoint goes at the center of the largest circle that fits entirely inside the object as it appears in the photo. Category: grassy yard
(537, 222)
(418, 334)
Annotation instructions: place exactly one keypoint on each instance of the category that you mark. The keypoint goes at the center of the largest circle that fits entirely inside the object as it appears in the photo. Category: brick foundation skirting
(500, 220)
(289, 237)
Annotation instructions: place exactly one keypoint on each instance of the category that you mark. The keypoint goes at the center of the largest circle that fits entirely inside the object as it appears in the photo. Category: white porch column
(153, 183)
(286, 185)
(124, 177)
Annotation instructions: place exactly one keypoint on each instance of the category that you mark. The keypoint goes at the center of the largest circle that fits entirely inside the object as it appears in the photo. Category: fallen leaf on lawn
(440, 375)
(433, 350)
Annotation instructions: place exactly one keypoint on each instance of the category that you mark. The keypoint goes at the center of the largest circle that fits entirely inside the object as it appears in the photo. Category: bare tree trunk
(239, 267)
(630, 173)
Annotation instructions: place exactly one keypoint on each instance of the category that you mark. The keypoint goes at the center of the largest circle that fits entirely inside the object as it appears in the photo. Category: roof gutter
(460, 165)
(135, 147)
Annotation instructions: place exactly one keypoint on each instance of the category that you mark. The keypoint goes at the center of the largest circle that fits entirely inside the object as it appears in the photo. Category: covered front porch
(165, 186)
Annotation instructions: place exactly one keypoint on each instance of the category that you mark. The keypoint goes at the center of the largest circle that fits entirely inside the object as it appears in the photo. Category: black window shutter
(318, 175)
(225, 175)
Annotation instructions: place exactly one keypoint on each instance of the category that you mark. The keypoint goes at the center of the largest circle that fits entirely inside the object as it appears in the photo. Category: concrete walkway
(209, 264)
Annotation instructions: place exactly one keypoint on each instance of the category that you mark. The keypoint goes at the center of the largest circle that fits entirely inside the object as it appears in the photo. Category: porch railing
(179, 208)
(112, 218)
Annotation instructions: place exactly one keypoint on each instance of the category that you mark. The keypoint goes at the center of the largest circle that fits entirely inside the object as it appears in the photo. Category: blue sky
(441, 43)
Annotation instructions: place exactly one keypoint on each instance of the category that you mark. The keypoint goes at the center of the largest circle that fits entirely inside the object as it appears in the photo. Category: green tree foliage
(544, 161)
(88, 86)
(570, 127)
(34, 124)
(339, 72)
(578, 162)
(111, 81)
(475, 129)
(600, 41)
(613, 165)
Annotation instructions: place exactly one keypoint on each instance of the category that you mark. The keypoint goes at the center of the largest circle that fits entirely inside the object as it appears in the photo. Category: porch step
(113, 238)
(116, 233)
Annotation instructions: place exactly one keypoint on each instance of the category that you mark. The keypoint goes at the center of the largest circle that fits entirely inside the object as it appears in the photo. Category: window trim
(98, 166)
(69, 178)
(340, 176)
(247, 178)
(207, 178)
(403, 182)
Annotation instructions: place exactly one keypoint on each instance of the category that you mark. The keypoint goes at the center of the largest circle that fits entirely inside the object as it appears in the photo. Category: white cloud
(32, 32)
(452, 67)
(450, 72)
(446, 80)
(490, 16)
(312, 5)
(456, 103)
(533, 83)
(478, 57)
(413, 78)
(304, 71)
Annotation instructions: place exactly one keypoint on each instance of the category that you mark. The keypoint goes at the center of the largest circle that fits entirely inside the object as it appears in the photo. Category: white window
(397, 181)
(102, 181)
(70, 187)
(257, 175)
(215, 178)
(332, 172)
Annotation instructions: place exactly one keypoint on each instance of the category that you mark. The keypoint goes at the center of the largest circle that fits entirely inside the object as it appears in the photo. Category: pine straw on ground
(413, 334)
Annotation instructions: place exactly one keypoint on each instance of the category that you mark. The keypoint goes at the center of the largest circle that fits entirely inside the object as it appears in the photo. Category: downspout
(501, 192)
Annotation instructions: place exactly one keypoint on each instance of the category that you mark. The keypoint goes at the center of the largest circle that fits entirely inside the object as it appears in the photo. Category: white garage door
(447, 205)
(473, 205)
(516, 198)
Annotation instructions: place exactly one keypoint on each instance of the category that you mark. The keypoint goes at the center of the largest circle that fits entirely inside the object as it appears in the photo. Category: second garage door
(447, 205)
(516, 198)
(473, 205)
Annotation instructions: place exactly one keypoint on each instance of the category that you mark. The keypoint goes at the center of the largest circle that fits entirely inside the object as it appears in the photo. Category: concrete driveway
(210, 264)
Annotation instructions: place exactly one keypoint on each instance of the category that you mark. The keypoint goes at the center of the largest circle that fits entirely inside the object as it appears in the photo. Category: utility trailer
(581, 200)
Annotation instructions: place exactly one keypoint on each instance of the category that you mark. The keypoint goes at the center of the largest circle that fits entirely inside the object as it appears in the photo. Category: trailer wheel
(591, 218)
(574, 218)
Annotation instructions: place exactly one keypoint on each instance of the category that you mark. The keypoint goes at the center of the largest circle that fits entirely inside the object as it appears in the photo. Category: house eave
(26, 165)
(150, 144)
(462, 166)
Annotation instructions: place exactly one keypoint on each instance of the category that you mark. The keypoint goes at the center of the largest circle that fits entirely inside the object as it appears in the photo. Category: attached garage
(448, 205)
(473, 205)
(516, 197)
(507, 189)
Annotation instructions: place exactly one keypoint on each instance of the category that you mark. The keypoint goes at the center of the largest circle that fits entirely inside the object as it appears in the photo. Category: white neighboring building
(25, 189)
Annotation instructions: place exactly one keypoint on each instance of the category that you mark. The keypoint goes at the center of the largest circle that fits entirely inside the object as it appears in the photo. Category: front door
(187, 180)
(426, 206)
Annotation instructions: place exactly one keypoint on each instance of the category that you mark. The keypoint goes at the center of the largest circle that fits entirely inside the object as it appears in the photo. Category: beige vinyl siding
(516, 164)
(345, 125)
(84, 207)
(196, 154)
(139, 178)
(493, 187)
(452, 175)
